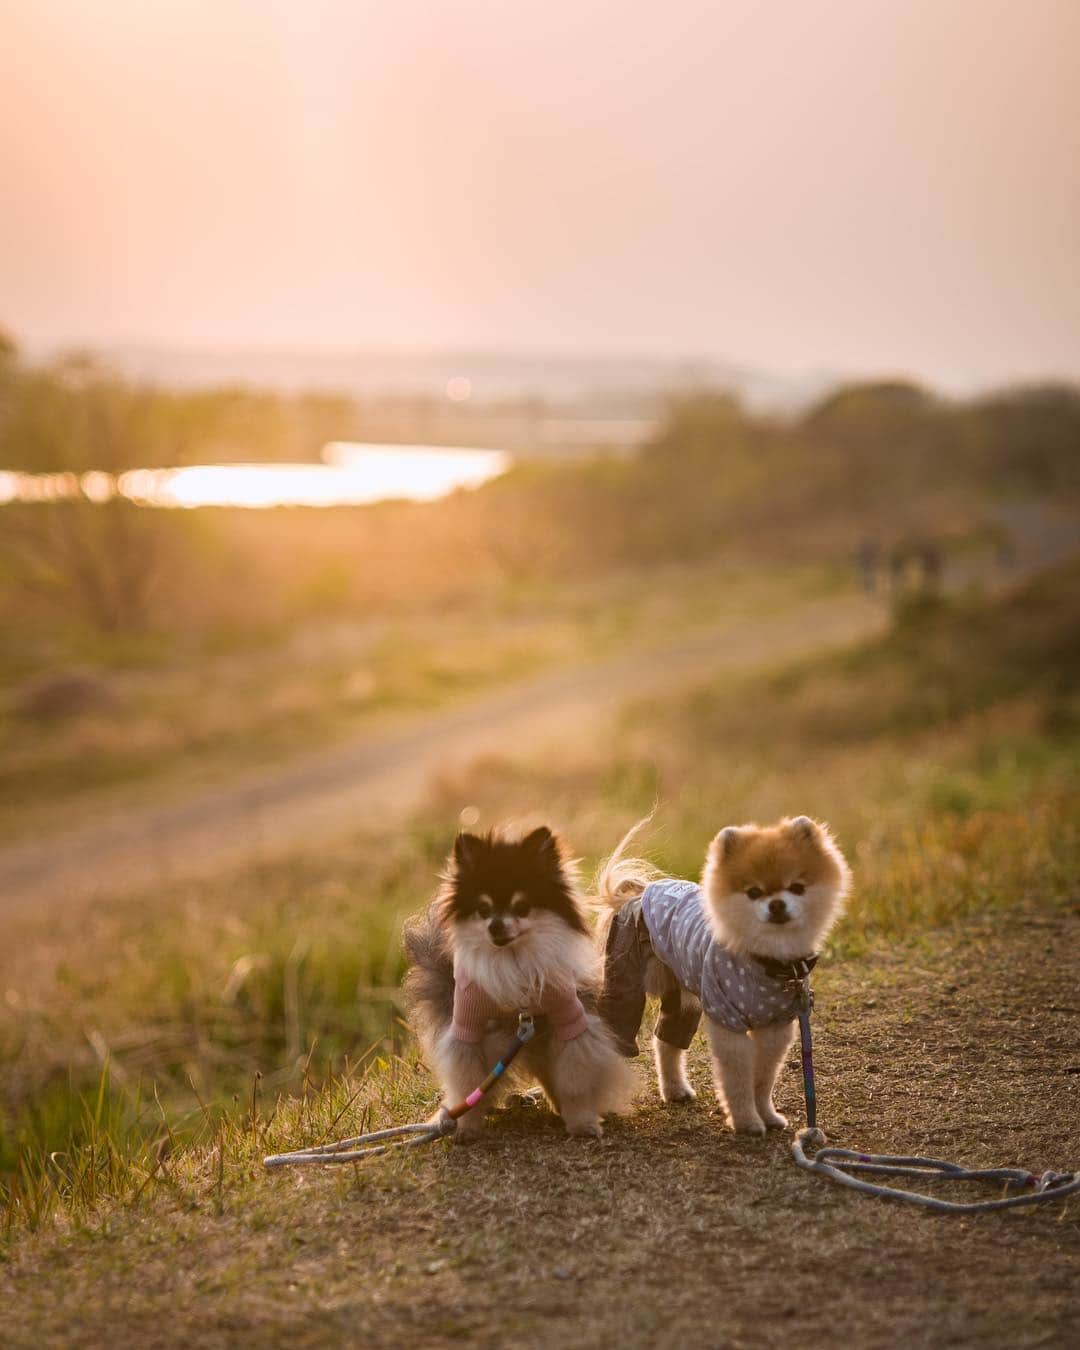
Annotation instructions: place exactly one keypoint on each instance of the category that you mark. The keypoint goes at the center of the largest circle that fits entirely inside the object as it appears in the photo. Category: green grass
(952, 788)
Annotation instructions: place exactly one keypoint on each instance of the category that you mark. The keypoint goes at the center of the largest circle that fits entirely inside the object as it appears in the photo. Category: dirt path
(318, 796)
(669, 1232)
(315, 798)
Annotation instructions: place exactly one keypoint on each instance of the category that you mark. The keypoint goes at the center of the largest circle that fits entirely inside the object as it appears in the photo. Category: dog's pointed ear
(727, 841)
(541, 842)
(802, 827)
(467, 848)
(544, 847)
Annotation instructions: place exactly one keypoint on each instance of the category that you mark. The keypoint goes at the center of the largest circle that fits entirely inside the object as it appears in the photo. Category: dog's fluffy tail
(622, 878)
(429, 981)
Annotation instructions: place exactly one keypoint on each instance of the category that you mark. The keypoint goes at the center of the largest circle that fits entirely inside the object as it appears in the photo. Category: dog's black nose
(497, 929)
(777, 908)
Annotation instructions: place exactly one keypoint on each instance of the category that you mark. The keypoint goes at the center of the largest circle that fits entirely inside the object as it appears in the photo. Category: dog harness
(740, 992)
(475, 1009)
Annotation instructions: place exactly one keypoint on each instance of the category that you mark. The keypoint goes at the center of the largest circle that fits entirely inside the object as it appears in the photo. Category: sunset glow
(838, 186)
(354, 475)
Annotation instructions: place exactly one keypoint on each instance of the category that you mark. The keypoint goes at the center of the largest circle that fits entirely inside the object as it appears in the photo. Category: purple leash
(806, 1042)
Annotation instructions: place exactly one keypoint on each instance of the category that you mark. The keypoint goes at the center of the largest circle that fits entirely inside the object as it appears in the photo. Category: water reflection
(352, 474)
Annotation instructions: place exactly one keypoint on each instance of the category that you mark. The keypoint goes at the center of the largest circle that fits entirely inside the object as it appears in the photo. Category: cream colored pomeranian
(506, 933)
(738, 947)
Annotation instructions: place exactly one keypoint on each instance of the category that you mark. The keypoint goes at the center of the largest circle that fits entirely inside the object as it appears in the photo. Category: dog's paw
(585, 1129)
(682, 1092)
(752, 1125)
(468, 1132)
(774, 1120)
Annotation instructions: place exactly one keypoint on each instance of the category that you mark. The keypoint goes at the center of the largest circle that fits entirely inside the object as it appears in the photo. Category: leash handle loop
(842, 1165)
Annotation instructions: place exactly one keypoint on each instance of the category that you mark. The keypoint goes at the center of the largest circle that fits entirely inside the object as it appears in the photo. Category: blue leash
(839, 1164)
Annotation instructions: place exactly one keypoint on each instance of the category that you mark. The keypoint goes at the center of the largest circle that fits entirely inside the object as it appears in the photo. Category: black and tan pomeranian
(738, 947)
(505, 934)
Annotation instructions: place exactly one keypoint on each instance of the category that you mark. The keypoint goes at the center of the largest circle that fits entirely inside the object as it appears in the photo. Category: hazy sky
(797, 184)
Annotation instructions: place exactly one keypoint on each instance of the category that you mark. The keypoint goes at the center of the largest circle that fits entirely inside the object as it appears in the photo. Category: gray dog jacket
(668, 921)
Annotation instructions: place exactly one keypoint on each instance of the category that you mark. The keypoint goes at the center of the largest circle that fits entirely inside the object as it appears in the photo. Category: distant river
(352, 473)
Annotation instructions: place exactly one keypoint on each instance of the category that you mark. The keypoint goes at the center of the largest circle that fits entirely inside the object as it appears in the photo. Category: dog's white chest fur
(516, 976)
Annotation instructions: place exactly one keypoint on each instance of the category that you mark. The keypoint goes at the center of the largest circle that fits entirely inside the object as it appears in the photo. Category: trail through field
(668, 1232)
(315, 798)
(318, 796)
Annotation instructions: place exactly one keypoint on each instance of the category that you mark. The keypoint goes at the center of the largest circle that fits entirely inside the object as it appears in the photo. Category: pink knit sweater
(474, 1008)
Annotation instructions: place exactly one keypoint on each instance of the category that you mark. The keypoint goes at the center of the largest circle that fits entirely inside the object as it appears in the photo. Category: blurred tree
(1029, 437)
(97, 562)
(870, 404)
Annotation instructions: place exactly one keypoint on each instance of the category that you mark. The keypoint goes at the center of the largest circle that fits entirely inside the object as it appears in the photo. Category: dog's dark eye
(484, 907)
(520, 908)
(796, 888)
(754, 893)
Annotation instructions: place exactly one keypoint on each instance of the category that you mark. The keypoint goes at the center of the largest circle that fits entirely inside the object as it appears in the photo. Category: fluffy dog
(738, 947)
(506, 933)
